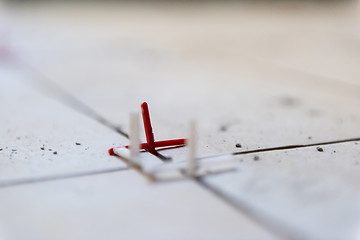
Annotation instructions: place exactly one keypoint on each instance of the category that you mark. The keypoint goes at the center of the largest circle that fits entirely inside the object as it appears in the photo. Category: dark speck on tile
(256, 158)
(290, 101)
(223, 128)
(77, 143)
(238, 145)
(320, 149)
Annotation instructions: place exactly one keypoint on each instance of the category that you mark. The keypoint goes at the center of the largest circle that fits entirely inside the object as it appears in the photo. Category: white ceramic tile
(304, 193)
(39, 135)
(120, 205)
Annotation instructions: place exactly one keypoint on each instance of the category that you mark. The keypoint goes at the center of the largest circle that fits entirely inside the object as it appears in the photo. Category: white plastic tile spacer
(134, 137)
(191, 143)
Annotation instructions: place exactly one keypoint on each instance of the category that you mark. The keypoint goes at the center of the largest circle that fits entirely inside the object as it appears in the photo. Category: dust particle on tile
(50, 149)
(1, 149)
(77, 143)
(55, 153)
(238, 145)
(334, 151)
(256, 158)
(290, 101)
(223, 128)
(42, 148)
(320, 149)
(356, 143)
(14, 150)
(309, 137)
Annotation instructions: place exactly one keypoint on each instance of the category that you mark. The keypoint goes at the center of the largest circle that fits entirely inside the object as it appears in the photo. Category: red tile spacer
(148, 128)
(111, 152)
(166, 143)
(151, 145)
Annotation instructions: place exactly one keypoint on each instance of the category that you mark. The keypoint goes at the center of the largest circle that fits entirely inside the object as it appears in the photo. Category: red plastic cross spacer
(151, 145)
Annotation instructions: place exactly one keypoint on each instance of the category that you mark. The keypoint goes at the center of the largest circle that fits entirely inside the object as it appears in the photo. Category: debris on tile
(320, 149)
(223, 128)
(290, 101)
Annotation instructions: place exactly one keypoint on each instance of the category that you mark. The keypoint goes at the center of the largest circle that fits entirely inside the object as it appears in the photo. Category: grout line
(137, 167)
(244, 210)
(161, 156)
(266, 222)
(297, 146)
(281, 148)
(58, 177)
(67, 98)
(262, 221)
